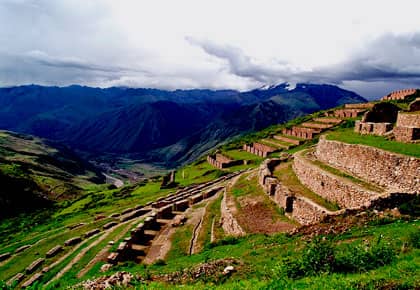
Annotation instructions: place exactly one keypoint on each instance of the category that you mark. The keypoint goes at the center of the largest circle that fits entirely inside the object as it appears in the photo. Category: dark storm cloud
(388, 58)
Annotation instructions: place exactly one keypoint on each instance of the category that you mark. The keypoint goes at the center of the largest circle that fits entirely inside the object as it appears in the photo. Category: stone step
(341, 189)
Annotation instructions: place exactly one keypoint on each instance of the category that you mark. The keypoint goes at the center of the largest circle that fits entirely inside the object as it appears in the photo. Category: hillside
(324, 201)
(175, 124)
(34, 173)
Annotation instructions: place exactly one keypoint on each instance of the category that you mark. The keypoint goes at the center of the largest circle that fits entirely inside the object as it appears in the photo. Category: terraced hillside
(311, 204)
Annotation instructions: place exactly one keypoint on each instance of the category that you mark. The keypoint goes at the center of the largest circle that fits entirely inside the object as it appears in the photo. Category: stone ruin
(165, 212)
(221, 161)
(408, 127)
(378, 121)
(295, 206)
(168, 180)
(359, 106)
(259, 149)
(399, 95)
(301, 132)
(345, 113)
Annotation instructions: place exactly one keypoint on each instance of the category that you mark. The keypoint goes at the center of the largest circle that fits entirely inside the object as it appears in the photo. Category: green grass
(197, 172)
(262, 259)
(285, 174)
(349, 136)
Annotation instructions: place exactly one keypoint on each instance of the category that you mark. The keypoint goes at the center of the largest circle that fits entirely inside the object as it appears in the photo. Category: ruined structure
(301, 132)
(408, 127)
(359, 106)
(345, 113)
(168, 180)
(259, 149)
(221, 161)
(370, 128)
(297, 207)
(398, 95)
(377, 121)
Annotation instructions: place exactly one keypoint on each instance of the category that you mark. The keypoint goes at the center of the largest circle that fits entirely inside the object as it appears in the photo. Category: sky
(371, 47)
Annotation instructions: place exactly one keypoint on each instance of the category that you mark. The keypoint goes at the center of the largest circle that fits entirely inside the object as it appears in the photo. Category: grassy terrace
(265, 260)
(349, 136)
(285, 174)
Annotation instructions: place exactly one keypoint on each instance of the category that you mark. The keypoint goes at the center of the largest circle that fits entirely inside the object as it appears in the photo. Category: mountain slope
(167, 127)
(34, 173)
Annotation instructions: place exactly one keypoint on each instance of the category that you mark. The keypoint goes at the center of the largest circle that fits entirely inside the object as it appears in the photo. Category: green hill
(35, 173)
(219, 229)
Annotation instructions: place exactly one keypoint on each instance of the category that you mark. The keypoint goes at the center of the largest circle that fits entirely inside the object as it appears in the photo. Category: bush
(414, 239)
(319, 256)
(365, 257)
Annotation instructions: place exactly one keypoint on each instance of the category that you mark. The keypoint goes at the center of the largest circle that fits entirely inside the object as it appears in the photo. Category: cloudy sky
(370, 47)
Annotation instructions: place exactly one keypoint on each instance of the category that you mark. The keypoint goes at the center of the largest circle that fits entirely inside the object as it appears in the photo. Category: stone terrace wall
(395, 172)
(359, 106)
(306, 212)
(370, 128)
(329, 186)
(399, 95)
(299, 208)
(408, 120)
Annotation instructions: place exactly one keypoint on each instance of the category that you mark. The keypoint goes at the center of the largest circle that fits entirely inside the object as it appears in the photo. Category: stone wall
(299, 208)
(221, 161)
(306, 212)
(259, 149)
(359, 106)
(408, 120)
(406, 134)
(399, 95)
(395, 172)
(408, 127)
(329, 186)
(347, 113)
(370, 128)
(301, 132)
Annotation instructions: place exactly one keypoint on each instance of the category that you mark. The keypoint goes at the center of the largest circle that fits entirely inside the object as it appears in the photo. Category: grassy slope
(262, 255)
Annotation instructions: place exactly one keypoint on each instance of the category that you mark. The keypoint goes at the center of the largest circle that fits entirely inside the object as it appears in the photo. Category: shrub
(414, 239)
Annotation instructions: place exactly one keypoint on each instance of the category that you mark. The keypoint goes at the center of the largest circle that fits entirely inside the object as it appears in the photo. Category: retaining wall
(395, 172)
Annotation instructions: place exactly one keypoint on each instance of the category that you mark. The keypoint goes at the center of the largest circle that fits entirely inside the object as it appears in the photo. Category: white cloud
(244, 43)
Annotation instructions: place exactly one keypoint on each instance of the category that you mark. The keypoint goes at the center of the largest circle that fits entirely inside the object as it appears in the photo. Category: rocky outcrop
(394, 172)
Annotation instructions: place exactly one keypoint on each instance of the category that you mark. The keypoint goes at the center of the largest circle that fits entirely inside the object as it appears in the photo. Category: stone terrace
(399, 95)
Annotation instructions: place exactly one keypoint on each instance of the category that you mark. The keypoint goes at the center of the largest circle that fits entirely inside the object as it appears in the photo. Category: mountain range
(156, 126)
